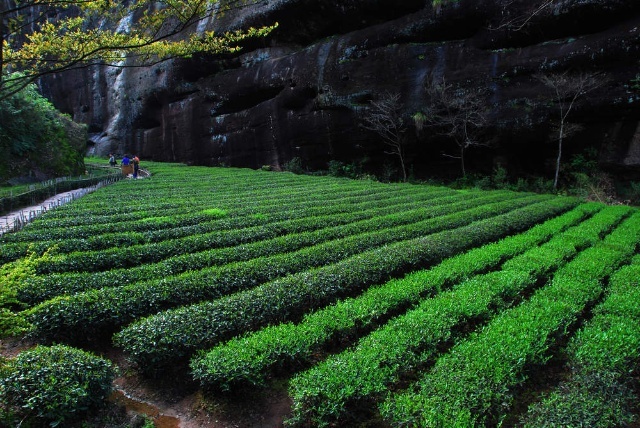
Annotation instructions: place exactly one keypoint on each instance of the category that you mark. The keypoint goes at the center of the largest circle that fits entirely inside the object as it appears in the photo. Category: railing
(19, 210)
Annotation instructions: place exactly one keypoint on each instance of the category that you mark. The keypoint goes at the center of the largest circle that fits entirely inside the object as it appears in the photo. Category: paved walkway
(16, 220)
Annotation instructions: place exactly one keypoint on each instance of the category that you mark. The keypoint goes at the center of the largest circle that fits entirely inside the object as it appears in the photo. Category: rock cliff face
(302, 92)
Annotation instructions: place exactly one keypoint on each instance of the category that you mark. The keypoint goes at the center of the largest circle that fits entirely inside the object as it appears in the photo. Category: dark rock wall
(302, 92)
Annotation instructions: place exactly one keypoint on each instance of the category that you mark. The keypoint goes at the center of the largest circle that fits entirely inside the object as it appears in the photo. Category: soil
(176, 401)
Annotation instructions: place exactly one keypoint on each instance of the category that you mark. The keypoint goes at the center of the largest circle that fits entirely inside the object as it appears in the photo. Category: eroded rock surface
(302, 92)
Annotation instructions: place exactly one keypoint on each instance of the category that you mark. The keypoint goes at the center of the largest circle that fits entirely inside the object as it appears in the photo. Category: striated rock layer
(302, 92)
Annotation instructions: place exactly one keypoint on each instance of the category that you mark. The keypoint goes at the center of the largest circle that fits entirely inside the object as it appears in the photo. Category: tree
(567, 89)
(457, 113)
(41, 37)
(385, 119)
(518, 22)
(34, 136)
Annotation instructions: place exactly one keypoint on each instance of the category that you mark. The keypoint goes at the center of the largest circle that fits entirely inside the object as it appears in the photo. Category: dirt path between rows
(175, 401)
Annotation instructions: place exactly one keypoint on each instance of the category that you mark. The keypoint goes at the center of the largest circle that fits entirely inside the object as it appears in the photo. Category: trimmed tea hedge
(602, 356)
(471, 384)
(277, 239)
(399, 347)
(112, 307)
(247, 359)
(178, 333)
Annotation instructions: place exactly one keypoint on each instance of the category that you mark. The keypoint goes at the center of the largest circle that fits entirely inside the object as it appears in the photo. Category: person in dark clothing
(136, 166)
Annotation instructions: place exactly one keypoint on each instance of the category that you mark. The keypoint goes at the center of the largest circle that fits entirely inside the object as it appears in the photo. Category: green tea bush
(106, 308)
(52, 385)
(602, 357)
(471, 385)
(247, 359)
(178, 333)
(366, 370)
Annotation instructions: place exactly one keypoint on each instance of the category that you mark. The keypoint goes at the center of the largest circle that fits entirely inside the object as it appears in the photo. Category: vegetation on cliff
(37, 141)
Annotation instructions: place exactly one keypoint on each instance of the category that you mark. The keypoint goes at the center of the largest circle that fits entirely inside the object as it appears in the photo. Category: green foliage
(215, 212)
(403, 344)
(307, 262)
(635, 83)
(267, 260)
(35, 137)
(181, 332)
(294, 166)
(52, 385)
(13, 276)
(471, 385)
(248, 359)
(354, 170)
(596, 400)
(201, 251)
(601, 356)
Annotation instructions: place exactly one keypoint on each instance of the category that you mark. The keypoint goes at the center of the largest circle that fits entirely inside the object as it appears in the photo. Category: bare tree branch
(385, 119)
(458, 114)
(567, 88)
(519, 22)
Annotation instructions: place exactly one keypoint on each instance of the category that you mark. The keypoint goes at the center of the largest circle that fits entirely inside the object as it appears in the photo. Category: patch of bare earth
(175, 401)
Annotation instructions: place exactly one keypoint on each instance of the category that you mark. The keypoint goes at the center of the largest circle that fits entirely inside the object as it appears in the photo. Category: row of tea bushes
(473, 383)
(115, 306)
(243, 218)
(120, 257)
(171, 335)
(228, 187)
(176, 217)
(279, 237)
(249, 359)
(101, 237)
(38, 288)
(364, 373)
(602, 357)
(212, 186)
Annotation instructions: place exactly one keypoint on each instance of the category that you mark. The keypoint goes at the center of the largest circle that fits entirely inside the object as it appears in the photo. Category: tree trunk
(560, 137)
(404, 169)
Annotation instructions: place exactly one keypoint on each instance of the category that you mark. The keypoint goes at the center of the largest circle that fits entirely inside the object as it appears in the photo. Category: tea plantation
(407, 305)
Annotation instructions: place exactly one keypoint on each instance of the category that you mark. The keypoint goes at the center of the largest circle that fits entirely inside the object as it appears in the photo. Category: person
(126, 166)
(136, 166)
(112, 159)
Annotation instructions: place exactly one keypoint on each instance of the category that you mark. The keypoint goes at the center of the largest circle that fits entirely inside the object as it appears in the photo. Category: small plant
(341, 169)
(294, 166)
(635, 83)
(52, 385)
(11, 276)
(215, 212)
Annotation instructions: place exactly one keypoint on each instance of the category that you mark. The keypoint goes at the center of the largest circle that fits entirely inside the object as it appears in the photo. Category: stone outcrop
(302, 91)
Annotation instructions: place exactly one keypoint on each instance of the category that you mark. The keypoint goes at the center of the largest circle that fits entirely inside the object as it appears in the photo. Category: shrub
(294, 166)
(35, 136)
(248, 359)
(53, 385)
(178, 333)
